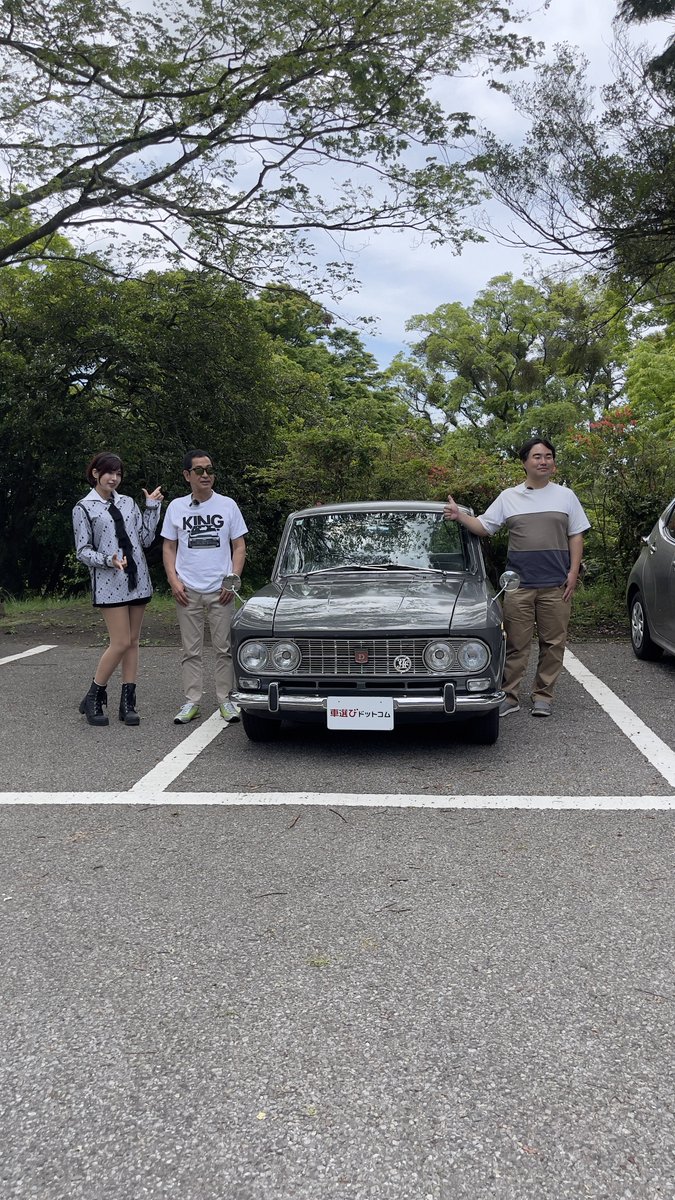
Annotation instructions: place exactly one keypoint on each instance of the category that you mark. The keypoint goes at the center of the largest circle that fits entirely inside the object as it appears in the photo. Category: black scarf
(125, 544)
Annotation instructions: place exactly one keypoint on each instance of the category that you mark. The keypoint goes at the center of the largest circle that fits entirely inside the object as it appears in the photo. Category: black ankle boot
(128, 712)
(92, 704)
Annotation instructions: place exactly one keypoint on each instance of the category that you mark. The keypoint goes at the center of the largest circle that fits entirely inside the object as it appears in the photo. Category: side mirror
(509, 581)
(233, 584)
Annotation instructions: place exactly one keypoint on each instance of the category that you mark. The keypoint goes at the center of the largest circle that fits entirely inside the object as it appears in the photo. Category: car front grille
(336, 658)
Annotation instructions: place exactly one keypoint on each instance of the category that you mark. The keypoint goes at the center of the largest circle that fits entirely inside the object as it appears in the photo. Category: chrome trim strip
(433, 704)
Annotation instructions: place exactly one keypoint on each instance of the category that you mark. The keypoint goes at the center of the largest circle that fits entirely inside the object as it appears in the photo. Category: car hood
(378, 603)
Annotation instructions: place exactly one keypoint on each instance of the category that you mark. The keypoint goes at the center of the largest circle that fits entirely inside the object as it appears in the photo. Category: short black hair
(192, 455)
(524, 452)
(103, 462)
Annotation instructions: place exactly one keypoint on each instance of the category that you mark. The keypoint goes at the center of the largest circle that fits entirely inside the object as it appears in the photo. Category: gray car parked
(377, 614)
(650, 593)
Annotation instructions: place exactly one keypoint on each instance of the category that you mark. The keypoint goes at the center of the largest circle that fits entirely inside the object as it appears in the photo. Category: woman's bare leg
(130, 659)
(119, 632)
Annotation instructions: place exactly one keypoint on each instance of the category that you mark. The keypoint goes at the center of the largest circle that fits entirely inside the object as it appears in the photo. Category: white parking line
(173, 765)
(155, 797)
(26, 653)
(654, 750)
(151, 788)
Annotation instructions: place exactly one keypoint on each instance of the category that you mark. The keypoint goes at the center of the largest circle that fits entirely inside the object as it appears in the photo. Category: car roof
(365, 506)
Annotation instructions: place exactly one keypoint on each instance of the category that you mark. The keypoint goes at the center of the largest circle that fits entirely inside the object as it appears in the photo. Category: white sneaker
(187, 713)
(230, 711)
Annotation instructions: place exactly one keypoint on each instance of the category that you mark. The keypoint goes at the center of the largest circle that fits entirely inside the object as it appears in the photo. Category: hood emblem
(402, 663)
(360, 656)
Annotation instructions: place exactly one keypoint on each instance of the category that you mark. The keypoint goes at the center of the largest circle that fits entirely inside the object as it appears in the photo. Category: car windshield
(373, 540)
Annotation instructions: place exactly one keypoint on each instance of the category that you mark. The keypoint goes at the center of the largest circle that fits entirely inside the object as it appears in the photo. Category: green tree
(595, 175)
(203, 119)
(291, 407)
(523, 358)
(662, 67)
(348, 433)
(322, 365)
(623, 471)
(650, 383)
(48, 407)
(148, 368)
(474, 474)
(346, 458)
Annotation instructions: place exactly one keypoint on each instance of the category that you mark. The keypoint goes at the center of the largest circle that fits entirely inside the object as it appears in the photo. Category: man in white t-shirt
(203, 543)
(546, 525)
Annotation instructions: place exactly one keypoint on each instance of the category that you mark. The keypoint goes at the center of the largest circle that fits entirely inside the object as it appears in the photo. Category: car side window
(669, 524)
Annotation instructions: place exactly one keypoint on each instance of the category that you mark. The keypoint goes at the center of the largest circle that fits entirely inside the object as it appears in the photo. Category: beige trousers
(523, 609)
(204, 606)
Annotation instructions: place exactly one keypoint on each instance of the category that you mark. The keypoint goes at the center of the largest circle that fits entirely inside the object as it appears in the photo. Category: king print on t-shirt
(203, 531)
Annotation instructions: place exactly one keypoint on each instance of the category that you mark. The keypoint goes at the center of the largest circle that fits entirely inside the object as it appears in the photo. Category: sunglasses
(203, 470)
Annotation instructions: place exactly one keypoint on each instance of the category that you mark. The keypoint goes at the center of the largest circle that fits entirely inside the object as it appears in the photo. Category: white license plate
(373, 712)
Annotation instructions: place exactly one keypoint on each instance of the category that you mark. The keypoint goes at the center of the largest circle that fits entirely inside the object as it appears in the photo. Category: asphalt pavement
(326, 1001)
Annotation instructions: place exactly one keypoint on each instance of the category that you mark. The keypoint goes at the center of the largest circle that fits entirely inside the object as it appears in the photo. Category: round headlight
(286, 656)
(253, 656)
(438, 656)
(473, 656)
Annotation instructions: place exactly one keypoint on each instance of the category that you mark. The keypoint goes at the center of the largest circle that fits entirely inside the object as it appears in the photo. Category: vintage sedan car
(650, 593)
(377, 614)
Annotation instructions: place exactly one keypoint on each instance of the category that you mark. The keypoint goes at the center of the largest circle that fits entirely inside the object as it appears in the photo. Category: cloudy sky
(399, 277)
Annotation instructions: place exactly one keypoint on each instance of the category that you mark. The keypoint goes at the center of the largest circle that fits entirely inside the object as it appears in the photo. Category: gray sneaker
(187, 713)
(230, 711)
(541, 708)
(508, 706)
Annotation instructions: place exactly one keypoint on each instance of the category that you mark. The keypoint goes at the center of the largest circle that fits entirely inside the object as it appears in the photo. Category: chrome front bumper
(279, 703)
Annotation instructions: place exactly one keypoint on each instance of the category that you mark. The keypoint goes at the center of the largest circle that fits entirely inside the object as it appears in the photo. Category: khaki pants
(204, 605)
(523, 609)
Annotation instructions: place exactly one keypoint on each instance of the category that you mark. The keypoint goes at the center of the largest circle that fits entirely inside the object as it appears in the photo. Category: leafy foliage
(662, 67)
(291, 407)
(147, 368)
(650, 383)
(295, 411)
(522, 358)
(594, 180)
(211, 122)
(623, 472)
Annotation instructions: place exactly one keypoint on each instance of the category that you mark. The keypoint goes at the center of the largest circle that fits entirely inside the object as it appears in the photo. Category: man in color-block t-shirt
(203, 543)
(546, 525)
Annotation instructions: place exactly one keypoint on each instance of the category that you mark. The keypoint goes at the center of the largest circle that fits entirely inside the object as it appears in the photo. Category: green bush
(599, 609)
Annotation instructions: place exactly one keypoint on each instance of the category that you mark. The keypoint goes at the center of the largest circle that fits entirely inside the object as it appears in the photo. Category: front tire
(484, 731)
(260, 729)
(640, 637)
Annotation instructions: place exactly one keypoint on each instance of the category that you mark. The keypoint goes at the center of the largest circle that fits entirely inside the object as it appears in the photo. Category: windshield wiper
(375, 566)
(342, 567)
(394, 566)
